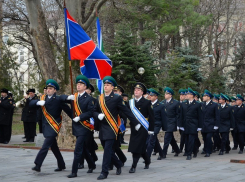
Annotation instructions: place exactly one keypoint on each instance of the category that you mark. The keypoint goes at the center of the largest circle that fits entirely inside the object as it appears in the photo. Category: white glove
(199, 129)
(177, 128)
(76, 119)
(137, 127)
(101, 116)
(40, 103)
(71, 97)
(231, 129)
(216, 127)
(181, 128)
(151, 132)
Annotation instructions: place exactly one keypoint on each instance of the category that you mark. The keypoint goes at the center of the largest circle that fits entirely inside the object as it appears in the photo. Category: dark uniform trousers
(217, 140)
(182, 140)
(207, 138)
(30, 130)
(136, 157)
(235, 138)
(153, 143)
(5, 133)
(50, 142)
(169, 138)
(78, 152)
(224, 141)
(197, 145)
(190, 143)
(241, 140)
(90, 157)
(108, 156)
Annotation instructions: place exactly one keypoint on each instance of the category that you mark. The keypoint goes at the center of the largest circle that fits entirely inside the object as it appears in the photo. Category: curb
(237, 161)
(34, 148)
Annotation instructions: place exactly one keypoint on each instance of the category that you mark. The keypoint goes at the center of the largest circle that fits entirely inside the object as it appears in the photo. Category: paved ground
(16, 164)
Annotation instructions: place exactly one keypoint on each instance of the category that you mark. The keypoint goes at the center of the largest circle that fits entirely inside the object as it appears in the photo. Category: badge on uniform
(152, 106)
(123, 102)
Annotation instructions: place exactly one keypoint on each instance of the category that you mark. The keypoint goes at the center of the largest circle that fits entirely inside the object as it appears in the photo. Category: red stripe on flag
(104, 68)
(82, 51)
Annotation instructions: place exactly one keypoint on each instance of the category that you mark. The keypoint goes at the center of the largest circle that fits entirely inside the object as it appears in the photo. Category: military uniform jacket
(54, 106)
(115, 104)
(6, 106)
(138, 138)
(191, 117)
(172, 114)
(239, 115)
(86, 105)
(211, 116)
(159, 115)
(29, 113)
(226, 118)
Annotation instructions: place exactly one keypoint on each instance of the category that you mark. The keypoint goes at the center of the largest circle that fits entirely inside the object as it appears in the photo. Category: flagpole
(72, 91)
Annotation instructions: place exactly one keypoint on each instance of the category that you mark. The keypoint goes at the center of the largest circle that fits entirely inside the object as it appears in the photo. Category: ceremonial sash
(52, 122)
(138, 114)
(78, 112)
(108, 116)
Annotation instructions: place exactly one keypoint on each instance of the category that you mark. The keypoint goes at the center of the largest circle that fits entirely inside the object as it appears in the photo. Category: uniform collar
(154, 102)
(137, 100)
(208, 102)
(80, 95)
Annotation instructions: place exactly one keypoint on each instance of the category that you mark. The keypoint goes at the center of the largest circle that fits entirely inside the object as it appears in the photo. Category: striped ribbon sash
(78, 112)
(52, 122)
(138, 114)
(108, 116)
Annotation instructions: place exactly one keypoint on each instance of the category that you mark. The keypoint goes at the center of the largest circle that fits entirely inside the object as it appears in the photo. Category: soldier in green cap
(226, 123)
(52, 106)
(197, 96)
(239, 115)
(191, 123)
(106, 115)
(83, 106)
(211, 119)
(170, 125)
(216, 98)
(160, 117)
(182, 93)
(234, 132)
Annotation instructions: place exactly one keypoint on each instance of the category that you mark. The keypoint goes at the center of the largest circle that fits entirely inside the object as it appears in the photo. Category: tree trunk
(41, 40)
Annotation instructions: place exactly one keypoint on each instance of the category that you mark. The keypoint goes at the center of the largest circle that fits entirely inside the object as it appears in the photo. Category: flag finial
(64, 3)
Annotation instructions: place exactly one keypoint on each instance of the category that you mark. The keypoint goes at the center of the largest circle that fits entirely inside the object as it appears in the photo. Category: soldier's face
(205, 98)
(182, 97)
(4, 94)
(31, 94)
(190, 97)
(233, 103)
(44, 91)
(238, 102)
(153, 98)
(138, 92)
(125, 98)
(215, 100)
(51, 91)
(108, 87)
(167, 96)
(196, 98)
(221, 101)
(81, 87)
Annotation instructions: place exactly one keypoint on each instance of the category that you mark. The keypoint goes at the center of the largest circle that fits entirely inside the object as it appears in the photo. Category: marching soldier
(216, 98)
(170, 125)
(160, 117)
(234, 132)
(30, 117)
(107, 111)
(191, 122)
(211, 120)
(239, 115)
(142, 110)
(90, 145)
(81, 126)
(51, 105)
(182, 93)
(226, 123)
(6, 106)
